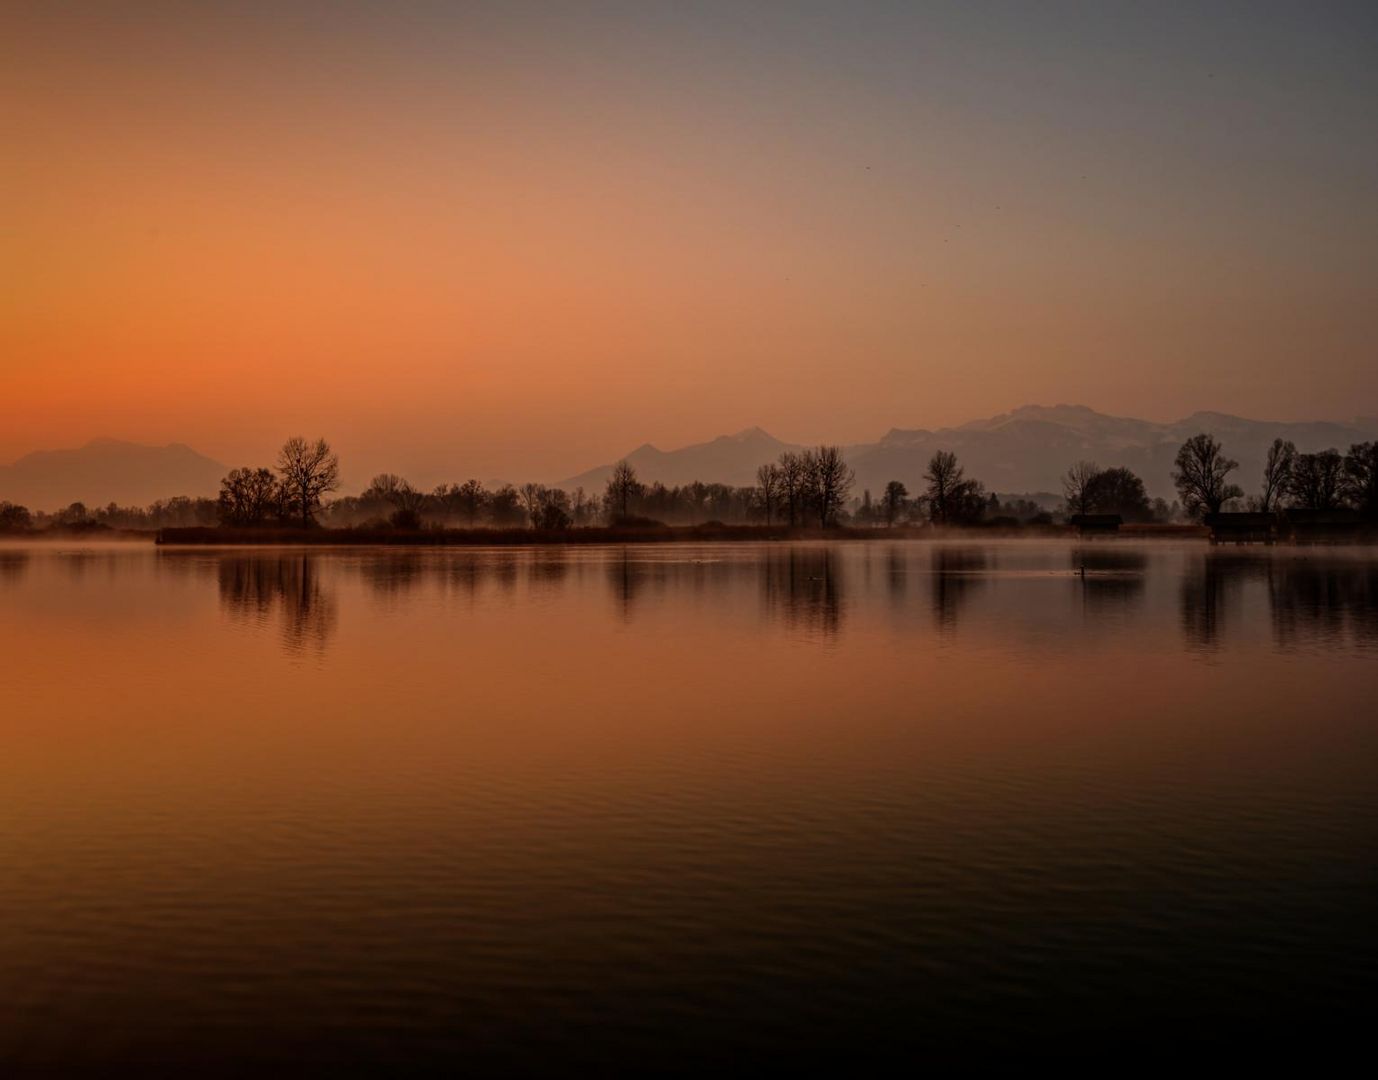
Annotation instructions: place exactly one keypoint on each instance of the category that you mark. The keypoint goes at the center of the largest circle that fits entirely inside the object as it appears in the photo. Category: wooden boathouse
(1242, 528)
(1096, 524)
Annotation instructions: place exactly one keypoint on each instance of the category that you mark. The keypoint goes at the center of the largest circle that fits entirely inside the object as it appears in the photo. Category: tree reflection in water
(803, 586)
(1312, 600)
(1111, 577)
(254, 587)
(1330, 602)
(1305, 598)
(957, 573)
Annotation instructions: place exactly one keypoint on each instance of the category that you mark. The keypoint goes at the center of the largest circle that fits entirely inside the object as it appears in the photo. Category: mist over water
(662, 807)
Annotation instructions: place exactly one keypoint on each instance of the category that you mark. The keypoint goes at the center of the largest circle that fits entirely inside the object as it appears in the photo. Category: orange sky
(506, 241)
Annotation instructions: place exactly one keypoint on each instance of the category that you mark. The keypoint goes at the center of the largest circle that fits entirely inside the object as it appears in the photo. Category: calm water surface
(666, 808)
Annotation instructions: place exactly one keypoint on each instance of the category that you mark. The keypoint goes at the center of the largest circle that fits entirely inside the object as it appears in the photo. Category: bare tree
(391, 488)
(581, 507)
(384, 486)
(309, 471)
(1317, 480)
(830, 482)
(793, 484)
(505, 507)
(471, 499)
(553, 512)
(1078, 487)
(533, 497)
(1277, 474)
(768, 486)
(410, 501)
(248, 496)
(894, 501)
(952, 499)
(944, 478)
(1200, 476)
(1361, 476)
(623, 487)
(446, 499)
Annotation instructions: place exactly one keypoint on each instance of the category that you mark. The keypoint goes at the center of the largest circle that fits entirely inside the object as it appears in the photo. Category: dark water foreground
(673, 809)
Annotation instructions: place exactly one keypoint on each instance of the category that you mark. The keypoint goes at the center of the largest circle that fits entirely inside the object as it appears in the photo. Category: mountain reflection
(253, 587)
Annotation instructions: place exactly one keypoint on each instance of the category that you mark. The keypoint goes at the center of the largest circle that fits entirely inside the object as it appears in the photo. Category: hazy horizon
(512, 236)
(356, 474)
(1024, 452)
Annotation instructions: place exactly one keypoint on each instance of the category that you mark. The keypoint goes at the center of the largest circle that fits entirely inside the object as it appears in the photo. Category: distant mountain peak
(751, 434)
(109, 442)
(1207, 416)
(107, 470)
(1061, 409)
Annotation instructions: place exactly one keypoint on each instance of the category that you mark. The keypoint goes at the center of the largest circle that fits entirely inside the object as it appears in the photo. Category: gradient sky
(514, 240)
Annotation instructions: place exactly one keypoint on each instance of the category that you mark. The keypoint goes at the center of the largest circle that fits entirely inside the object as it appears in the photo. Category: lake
(673, 808)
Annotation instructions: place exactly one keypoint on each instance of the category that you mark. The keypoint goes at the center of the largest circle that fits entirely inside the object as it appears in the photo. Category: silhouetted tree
(1201, 469)
(581, 507)
(1278, 466)
(1361, 477)
(830, 481)
(1119, 491)
(793, 484)
(768, 486)
(248, 497)
(75, 514)
(14, 518)
(553, 510)
(531, 497)
(951, 499)
(1076, 486)
(385, 487)
(1317, 480)
(309, 471)
(406, 505)
(505, 507)
(444, 498)
(472, 499)
(894, 502)
(622, 490)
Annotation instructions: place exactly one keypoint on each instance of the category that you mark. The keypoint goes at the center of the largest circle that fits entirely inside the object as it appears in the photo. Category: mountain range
(1023, 451)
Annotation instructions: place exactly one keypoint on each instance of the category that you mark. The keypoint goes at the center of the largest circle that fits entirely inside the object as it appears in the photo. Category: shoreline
(667, 534)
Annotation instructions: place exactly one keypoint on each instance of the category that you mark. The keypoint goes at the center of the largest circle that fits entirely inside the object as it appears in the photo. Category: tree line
(810, 488)
(182, 511)
(1324, 480)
